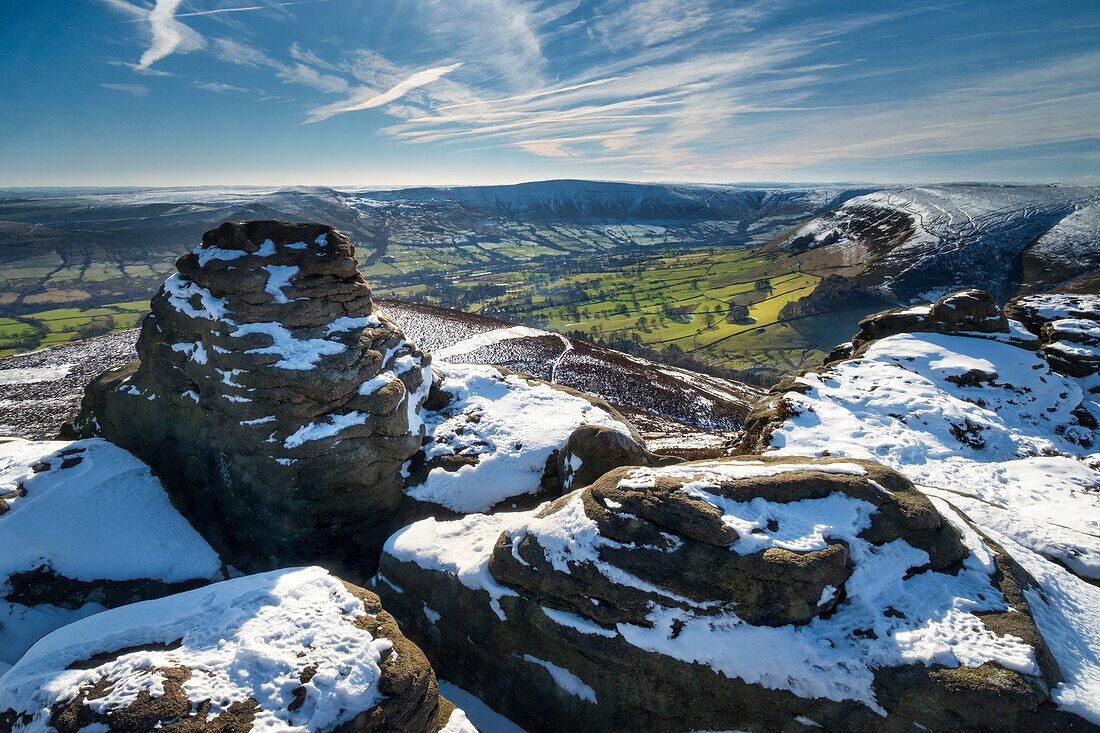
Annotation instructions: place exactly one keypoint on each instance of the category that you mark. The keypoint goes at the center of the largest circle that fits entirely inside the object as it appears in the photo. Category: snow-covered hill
(609, 200)
(924, 241)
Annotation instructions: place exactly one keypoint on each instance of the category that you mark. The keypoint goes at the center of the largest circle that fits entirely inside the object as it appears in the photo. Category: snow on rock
(85, 525)
(827, 579)
(492, 440)
(270, 394)
(288, 650)
(988, 422)
(1005, 434)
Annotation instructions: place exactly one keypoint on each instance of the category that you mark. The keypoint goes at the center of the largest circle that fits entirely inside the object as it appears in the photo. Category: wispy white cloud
(134, 90)
(167, 34)
(365, 97)
(218, 87)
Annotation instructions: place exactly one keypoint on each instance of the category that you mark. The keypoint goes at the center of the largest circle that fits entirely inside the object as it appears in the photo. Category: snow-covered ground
(991, 429)
(86, 511)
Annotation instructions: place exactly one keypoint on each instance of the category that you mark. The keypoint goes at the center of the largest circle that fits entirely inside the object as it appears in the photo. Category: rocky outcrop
(761, 594)
(84, 526)
(286, 650)
(494, 440)
(593, 450)
(273, 401)
(964, 311)
(1068, 327)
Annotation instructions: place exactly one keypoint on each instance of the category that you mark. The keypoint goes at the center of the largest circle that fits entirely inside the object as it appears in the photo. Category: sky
(447, 92)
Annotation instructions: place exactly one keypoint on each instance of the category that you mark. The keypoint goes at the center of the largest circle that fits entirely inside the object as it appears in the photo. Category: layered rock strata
(965, 311)
(763, 594)
(273, 401)
(1068, 327)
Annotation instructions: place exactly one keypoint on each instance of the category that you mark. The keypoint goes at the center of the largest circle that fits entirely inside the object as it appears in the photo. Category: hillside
(676, 409)
(658, 269)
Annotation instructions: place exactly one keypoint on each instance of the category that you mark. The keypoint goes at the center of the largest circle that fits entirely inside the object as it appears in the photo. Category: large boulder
(292, 650)
(494, 441)
(84, 526)
(964, 311)
(271, 398)
(593, 450)
(763, 594)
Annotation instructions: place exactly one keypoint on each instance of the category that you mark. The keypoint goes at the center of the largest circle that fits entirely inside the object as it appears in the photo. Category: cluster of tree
(833, 293)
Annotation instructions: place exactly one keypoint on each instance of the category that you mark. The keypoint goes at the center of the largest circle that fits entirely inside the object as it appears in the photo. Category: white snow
(182, 291)
(897, 406)
(250, 637)
(279, 277)
(484, 717)
(297, 354)
(565, 679)
(1009, 453)
(823, 658)
(209, 254)
(511, 424)
(348, 323)
(487, 338)
(318, 430)
(106, 517)
(460, 548)
(32, 375)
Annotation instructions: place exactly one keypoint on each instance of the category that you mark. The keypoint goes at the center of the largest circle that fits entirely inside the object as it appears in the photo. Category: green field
(60, 325)
(717, 306)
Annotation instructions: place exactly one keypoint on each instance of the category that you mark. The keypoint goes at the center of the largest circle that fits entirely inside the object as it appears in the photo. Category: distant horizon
(160, 93)
(412, 185)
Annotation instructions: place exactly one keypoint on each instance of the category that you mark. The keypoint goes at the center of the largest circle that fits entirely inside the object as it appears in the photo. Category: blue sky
(338, 92)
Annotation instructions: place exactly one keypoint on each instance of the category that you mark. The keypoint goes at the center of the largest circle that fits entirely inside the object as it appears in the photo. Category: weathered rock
(1068, 327)
(494, 440)
(291, 649)
(593, 450)
(276, 405)
(84, 526)
(967, 310)
(752, 595)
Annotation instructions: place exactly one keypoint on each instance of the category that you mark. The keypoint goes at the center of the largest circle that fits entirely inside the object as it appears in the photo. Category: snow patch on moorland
(251, 637)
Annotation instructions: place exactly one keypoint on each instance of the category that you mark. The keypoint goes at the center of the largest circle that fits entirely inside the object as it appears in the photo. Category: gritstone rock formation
(275, 404)
(966, 310)
(750, 594)
(285, 650)
(1068, 327)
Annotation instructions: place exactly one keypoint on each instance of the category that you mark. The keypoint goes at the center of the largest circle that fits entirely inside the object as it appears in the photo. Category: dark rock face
(593, 450)
(1068, 327)
(966, 310)
(274, 403)
(614, 607)
(329, 658)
